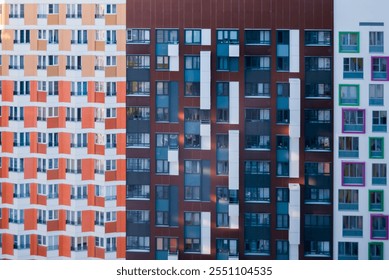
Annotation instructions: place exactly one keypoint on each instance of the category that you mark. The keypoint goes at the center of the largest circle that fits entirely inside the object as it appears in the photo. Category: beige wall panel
(7, 37)
(110, 72)
(88, 66)
(121, 40)
(52, 71)
(30, 14)
(100, 46)
(88, 14)
(5, 64)
(34, 39)
(30, 65)
(121, 66)
(64, 39)
(110, 19)
(62, 14)
(42, 45)
(4, 18)
(62, 65)
(53, 19)
(91, 40)
(121, 14)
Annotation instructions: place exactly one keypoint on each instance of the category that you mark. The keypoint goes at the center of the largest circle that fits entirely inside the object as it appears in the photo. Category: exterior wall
(37, 196)
(358, 240)
(308, 242)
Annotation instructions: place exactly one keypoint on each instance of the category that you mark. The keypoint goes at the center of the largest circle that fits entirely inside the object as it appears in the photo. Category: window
(352, 226)
(167, 140)
(257, 37)
(222, 167)
(52, 112)
(349, 147)
(73, 217)
(348, 250)
(21, 190)
(192, 166)
(138, 216)
(16, 11)
(353, 68)
(376, 251)
(21, 139)
(16, 113)
(21, 36)
(73, 11)
(138, 191)
(282, 221)
(138, 139)
(53, 163)
(376, 200)
(99, 62)
(348, 200)
(138, 113)
(225, 63)
(100, 35)
(379, 68)
(110, 165)
(53, 36)
(353, 173)
(110, 37)
(376, 94)
(192, 62)
(16, 216)
(376, 41)
(110, 9)
(110, 244)
(110, 216)
(379, 121)
(138, 36)
(42, 189)
(42, 34)
(52, 88)
(16, 165)
(138, 88)
(21, 88)
(99, 242)
(167, 36)
(227, 36)
(162, 166)
(349, 95)
(349, 42)
(52, 60)
(254, 115)
(53, 8)
(42, 85)
(193, 36)
(21, 242)
(138, 164)
(138, 243)
(376, 147)
(52, 215)
(257, 219)
(77, 88)
(318, 64)
(110, 141)
(16, 62)
(73, 62)
(192, 89)
(79, 243)
(353, 121)
(379, 173)
(73, 166)
(42, 216)
(99, 218)
(79, 37)
(162, 62)
(379, 227)
(138, 61)
(317, 38)
(319, 90)
(79, 192)
(110, 60)
(110, 89)
(257, 63)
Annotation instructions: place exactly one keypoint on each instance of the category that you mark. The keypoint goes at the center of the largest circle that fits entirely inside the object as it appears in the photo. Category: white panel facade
(206, 233)
(205, 80)
(294, 51)
(233, 159)
(234, 103)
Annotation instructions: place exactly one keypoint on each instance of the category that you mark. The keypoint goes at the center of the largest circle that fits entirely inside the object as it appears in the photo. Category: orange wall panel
(41, 199)
(121, 118)
(88, 169)
(8, 193)
(34, 39)
(62, 65)
(8, 91)
(91, 247)
(100, 253)
(8, 244)
(110, 71)
(64, 246)
(41, 96)
(91, 143)
(30, 168)
(110, 227)
(88, 221)
(33, 91)
(62, 14)
(64, 91)
(4, 17)
(53, 225)
(121, 144)
(110, 123)
(64, 143)
(4, 224)
(121, 40)
(34, 142)
(88, 118)
(121, 221)
(121, 170)
(121, 196)
(110, 19)
(100, 46)
(34, 244)
(62, 220)
(121, 92)
(30, 16)
(52, 174)
(4, 116)
(52, 19)
(53, 122)
(64, 192)
(91, 39)
(91, 195)
(42, 251)
(99, 201)
(30, 219)
(61, 168)
(99, 97)
(121, 14)
(99, 149)
(30, 116)
(42, 148)
(121, 247)
(62, 117)
(121, 66)
(33, 193)
(91, 92)
(7, 142)
(110, 176)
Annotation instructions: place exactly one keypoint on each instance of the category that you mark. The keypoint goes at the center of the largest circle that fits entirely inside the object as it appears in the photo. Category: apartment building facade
(229, 129)
(360, 131)
(62, 125)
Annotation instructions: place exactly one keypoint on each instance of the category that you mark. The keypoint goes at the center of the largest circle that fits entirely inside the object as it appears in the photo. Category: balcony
(352, 233)
(349, 153)
(352, 180)
(379, 127)
(348, 206)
